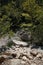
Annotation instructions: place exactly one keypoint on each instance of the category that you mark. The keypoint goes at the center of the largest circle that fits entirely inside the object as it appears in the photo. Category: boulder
(25, 36)
(20, 43)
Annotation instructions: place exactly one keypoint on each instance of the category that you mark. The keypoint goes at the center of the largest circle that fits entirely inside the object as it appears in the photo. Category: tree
(22, 14)
(36, 13)
(40, 2)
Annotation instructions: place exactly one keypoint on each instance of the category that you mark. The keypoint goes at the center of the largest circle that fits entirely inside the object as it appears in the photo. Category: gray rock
(33, 63)
(38, 61)
(4, 40)
(34, 52)
(14, 62)
(41, 63)
(25, 36)
(3, 48)
(39, 55)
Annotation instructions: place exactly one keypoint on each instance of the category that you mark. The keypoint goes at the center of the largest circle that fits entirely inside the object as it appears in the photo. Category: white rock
(30, 57)
(20, 43)
(24, 58)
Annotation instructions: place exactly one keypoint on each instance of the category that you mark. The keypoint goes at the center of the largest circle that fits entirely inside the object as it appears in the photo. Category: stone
(38, 61)
(24, 58)
(41, 63)
(20, 43)
(30, 57)
(25, 36)
(10, 51)
(11, 62)
(39, 56)
(4, 56)
(33, 52)
(23, 62)
(2, 59)
(42, 59)
(14, 62)
(3, 48)
(33, 63)
(13, 47)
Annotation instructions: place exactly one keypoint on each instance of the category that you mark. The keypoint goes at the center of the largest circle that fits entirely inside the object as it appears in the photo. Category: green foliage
(22, 14)
(40, 2)
(36, 13)
(10, 43)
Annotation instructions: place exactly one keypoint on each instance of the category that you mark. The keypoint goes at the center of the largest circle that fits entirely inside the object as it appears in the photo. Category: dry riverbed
(18, 55)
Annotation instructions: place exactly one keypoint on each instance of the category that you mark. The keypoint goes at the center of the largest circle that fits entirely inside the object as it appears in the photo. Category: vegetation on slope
(22, 14)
